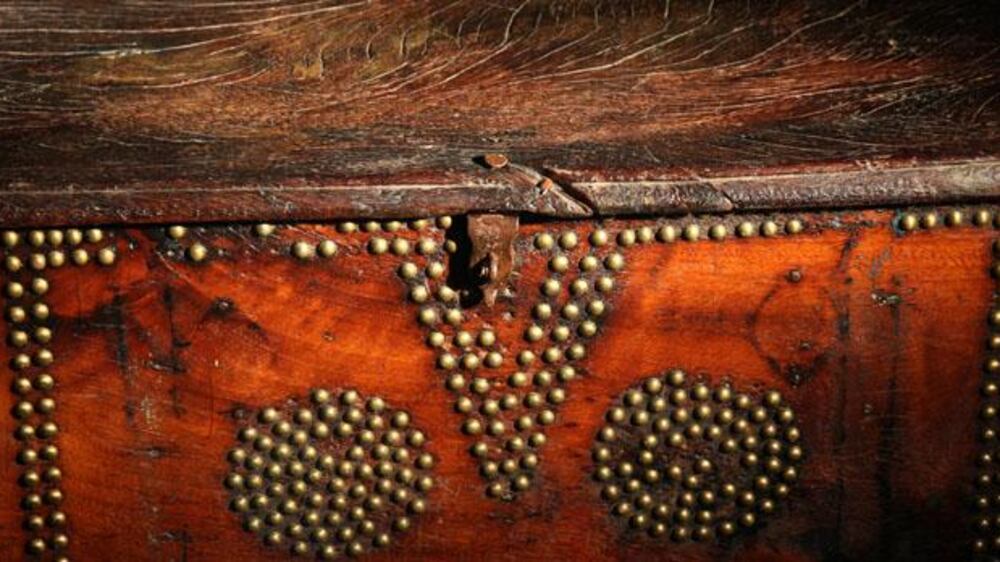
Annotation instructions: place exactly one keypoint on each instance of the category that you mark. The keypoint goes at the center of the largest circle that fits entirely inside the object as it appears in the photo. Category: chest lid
(571, 108)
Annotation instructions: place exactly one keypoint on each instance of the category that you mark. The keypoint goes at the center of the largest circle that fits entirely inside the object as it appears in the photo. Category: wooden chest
(533, 281)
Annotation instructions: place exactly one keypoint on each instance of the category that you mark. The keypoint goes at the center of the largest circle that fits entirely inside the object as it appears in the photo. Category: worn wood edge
(511, 191)
(941, 184)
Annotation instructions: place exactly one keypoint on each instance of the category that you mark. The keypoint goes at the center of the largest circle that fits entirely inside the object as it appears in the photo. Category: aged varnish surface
(798, 387)
(168, 111)
(517, 280)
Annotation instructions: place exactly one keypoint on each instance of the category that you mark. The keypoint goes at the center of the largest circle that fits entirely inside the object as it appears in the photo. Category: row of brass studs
(382, 241)
(693, 461)
(55, 248)
(337, 474)
(29, 319)
(987, 498)
(911, 221)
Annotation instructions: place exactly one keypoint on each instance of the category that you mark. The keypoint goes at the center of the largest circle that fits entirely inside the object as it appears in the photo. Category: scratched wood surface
(163, 111)
(872, 337)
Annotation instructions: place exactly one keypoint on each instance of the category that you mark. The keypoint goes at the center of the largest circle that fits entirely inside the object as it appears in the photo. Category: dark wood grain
(155, 112)
(874, 338)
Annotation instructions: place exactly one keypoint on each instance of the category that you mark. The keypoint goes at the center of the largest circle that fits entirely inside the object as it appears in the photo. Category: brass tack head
(94, 235)
(426, 246)
(551, 287)
(56, 258)
(74, 236)
(106, 256)
(378, 246)
(196, 253)
(794, 226)
(36, 238)
(13, 263)
(982, 217)
(644, 234)
(692, 232)
(929, 220)
(626, 238)
(15, 290)
(768, 229)
(39, 286)
(717, 232)
(303, 250)
(599, 237)
(400, 246)
(40, 310)
(177, 232)
(10, 238)
(326, 248)
(666, 233)
(745, 229)
(614, 262)
(37, 261)
(954, 218)
(264, 229)
(544, 241)
(559, 264)
(568, 240)
(80, 256)
(409, 271)
(444, 222)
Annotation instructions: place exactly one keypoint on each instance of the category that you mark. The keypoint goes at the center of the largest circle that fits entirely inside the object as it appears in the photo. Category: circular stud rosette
(695, 462)
(331, 475)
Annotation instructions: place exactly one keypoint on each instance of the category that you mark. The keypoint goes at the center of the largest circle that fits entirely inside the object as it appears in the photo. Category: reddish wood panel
(873, 337)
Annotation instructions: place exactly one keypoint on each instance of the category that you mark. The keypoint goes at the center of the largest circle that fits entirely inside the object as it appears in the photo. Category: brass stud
(80, 256)
(599, 237)
(717, 232)
(626, 238)
(326, 248)
(768, 229)
(692, 232)
(74, 236)
(106, 256)
(644, 234)
(264, 229)
(666, 233)
(378, 246)
(568, 240)
(544, 241)
(794, 226)
(400, 246)
(614, 262)
(177, 232)
(56, 258)
(197, 252)
(559, 264)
